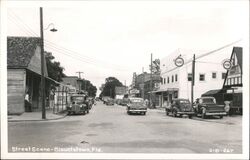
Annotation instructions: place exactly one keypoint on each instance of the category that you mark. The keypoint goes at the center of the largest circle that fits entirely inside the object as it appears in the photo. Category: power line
(54, 46)
(79, 58)
(22, 29)
(205, 54)
(73, 55)
(16, 17)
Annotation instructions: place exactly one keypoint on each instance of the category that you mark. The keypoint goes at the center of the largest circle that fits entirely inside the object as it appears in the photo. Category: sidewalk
(36, 116)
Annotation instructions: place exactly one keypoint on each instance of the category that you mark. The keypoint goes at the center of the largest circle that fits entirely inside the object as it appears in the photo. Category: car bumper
(217, 114)
(188, 113)
(137, 110)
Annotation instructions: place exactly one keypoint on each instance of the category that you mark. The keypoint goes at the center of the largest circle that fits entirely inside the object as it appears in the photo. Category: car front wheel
(174, 113)
(167, 112)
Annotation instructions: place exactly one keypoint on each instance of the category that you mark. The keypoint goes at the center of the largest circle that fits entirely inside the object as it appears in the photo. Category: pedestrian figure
(146, 102)
(27, 101)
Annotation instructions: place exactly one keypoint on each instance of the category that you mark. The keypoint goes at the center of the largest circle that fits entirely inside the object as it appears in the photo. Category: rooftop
(20, 50)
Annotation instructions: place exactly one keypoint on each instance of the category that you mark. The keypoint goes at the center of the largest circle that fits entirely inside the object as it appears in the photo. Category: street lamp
(42, 61)
(53, 29)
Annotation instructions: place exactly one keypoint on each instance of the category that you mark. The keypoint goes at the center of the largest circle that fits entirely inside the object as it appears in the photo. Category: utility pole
(143, 83)
(79, 80)
(42, 66)
(151, 79)
(193, 80)
(79, 74)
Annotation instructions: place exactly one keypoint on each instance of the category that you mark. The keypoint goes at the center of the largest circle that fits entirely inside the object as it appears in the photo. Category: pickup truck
(206, 106)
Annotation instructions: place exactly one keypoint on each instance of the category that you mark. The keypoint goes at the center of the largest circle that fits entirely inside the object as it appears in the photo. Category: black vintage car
(180, 107)
(78, 104)
(206, 106)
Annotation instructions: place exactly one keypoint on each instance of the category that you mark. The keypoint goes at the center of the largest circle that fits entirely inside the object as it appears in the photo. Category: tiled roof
(20, 51)
(238, 52)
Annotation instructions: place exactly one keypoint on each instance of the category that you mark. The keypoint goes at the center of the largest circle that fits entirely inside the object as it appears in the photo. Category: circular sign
(179, 62)
(227, 64)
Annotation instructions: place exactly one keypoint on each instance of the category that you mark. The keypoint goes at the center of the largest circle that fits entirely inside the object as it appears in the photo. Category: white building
(176, 81)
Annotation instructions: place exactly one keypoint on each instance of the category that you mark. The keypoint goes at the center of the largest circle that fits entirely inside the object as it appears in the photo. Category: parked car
(124, 101)
(118, 101)
(105, 99)
(136, 105)
(78, 104)
(110, 101)
(206, 106)
(91, 102)
(180, 107)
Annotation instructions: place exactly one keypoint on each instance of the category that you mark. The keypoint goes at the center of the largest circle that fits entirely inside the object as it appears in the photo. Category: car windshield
(184, 102)
(208, 100)
(78, 99)
(136, 100)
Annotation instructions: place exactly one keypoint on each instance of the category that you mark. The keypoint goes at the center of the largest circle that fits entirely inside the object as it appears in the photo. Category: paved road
(109, 129)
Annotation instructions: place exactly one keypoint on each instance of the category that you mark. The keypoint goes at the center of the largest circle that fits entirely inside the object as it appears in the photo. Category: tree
(89, 87)
(55, 70)
(109, 87)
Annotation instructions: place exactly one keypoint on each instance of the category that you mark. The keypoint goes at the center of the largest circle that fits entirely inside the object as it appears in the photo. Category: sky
(116, 38)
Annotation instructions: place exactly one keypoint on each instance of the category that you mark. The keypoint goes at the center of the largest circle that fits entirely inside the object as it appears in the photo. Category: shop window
(189, 77)
(214, 75)
(202, 77)
(176, 94)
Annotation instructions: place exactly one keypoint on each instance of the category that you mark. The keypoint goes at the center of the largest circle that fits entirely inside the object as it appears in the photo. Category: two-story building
(231, 90)
(142, 84)
(176, 81)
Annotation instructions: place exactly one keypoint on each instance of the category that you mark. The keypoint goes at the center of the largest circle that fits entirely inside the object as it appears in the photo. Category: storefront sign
(227, 64)
(179, 61)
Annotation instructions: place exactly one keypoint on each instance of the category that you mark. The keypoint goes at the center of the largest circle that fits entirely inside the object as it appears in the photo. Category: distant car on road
(110, 101)
(206, 106)
(136, 105)
(104, 99)
(180, 107)
(124, 101)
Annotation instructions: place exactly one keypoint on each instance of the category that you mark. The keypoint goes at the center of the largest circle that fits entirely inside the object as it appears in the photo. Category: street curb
(38, 120)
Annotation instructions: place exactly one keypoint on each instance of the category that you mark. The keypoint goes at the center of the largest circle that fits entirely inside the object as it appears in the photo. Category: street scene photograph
(96, 78)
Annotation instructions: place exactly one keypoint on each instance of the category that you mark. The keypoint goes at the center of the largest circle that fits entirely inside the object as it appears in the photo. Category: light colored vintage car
(136, 105)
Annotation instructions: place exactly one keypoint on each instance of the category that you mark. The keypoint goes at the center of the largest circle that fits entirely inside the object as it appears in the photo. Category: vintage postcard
(125, 79)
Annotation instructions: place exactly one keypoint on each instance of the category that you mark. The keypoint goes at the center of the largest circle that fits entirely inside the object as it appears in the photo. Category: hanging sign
(179, 61)
(227, 64)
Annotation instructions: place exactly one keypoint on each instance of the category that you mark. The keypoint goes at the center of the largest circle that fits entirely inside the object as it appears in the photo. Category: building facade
(142, 84)
(176, 81)
(24, 74)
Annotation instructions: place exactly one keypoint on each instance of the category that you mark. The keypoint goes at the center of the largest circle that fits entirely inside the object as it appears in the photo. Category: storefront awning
(165, 90)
